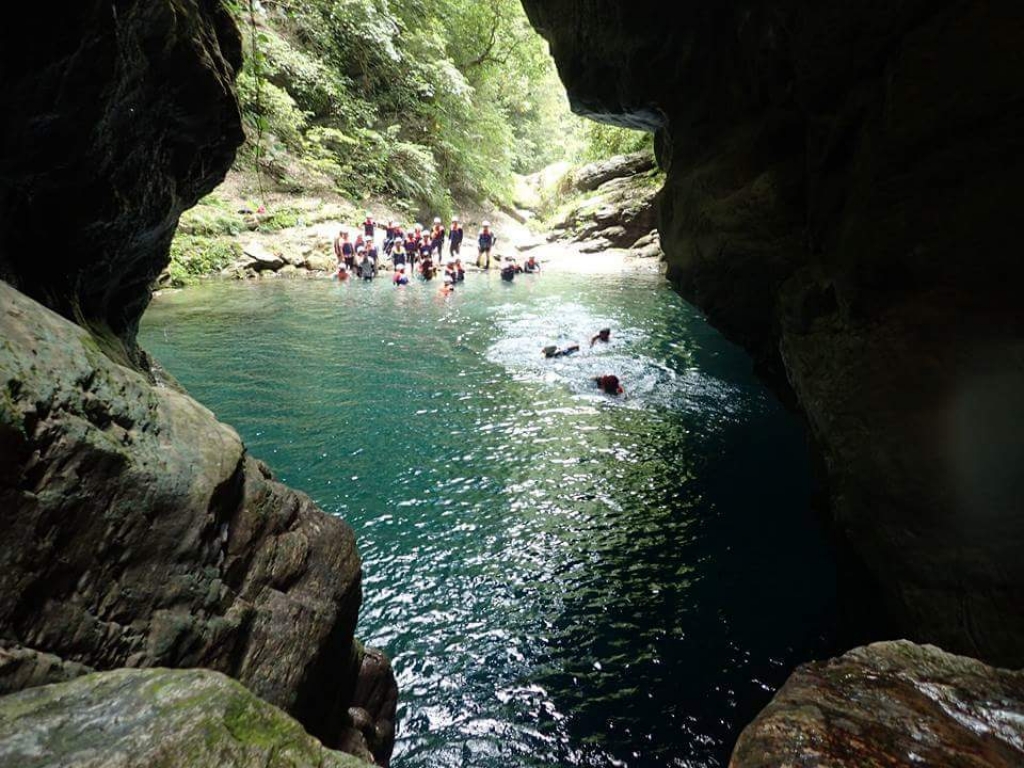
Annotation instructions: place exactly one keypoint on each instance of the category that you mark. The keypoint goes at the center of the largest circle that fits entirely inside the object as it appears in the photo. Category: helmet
(417, 226)
(455, 219)
(487, 224)
(437, 220)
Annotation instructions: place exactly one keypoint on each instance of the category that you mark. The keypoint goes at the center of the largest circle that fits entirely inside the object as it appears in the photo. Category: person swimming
(610, 385)
(604, 335)
(555, 351)
(509, 271)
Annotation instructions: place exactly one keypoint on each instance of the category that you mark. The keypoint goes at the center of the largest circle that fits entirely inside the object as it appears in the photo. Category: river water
(560, 578)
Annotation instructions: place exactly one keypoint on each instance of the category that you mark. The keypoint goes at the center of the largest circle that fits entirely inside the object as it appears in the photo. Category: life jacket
(369, 227)
(487, 240)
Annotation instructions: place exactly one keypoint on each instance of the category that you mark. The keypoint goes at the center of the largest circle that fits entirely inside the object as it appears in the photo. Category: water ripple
(561, 578)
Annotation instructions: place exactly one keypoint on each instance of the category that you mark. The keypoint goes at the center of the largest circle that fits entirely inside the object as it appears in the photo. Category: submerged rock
(891, 704)
(139, 532)
(158, 717)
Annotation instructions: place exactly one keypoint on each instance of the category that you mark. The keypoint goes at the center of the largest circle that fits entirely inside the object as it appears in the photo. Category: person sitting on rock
(485, 243)
(610, 385)
(532, 266)
(369, 226)
(604, 335)
(455, 236)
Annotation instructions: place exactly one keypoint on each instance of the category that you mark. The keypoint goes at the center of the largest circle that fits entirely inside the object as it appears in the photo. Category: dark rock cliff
(842, 194)
(137, 530)
(117, 117)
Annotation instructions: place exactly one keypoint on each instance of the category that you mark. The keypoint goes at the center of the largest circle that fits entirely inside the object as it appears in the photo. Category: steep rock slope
(842, 189)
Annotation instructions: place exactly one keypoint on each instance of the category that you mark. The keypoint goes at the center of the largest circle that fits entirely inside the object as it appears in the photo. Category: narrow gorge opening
(492, 492)
(559, 577)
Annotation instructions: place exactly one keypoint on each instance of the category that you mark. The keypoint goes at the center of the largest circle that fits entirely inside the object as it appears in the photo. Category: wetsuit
(437, 240)
(486, 243)
(369, 228)
(455, 240)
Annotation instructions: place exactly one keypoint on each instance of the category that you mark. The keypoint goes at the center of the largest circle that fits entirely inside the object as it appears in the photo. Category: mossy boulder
(154, 718)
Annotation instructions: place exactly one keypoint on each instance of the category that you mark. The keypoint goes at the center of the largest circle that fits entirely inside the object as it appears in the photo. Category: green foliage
(210, 218)
(602, 141)
(195, 256)
(424, 100)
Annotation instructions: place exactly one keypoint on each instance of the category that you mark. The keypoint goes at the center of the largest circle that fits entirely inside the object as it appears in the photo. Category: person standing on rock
(340, 242)
(369, 226)
(455, 236)
(437, 239)
(412, 248)
(485, 244)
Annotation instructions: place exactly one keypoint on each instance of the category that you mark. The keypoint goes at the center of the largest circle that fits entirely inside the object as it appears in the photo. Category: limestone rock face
(890, 704)
(156, 717)
(842, 199)
(138, 532)
(591, 176)
(117, 117)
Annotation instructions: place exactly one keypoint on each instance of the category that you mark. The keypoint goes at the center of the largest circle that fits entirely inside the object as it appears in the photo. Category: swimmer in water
(553, 351)
(604, 335)
(609, 385)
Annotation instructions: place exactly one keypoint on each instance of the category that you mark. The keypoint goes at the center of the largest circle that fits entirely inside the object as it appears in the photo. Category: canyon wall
(138, 530)
(842, 194)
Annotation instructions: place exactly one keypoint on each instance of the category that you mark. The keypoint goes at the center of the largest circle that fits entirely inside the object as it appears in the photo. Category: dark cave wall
(842, 194)
(118, 116)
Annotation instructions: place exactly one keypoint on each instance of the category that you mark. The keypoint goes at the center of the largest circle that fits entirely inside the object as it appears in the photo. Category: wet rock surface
(159, 717)
(891, 704)
(841, 199)
(139, 532)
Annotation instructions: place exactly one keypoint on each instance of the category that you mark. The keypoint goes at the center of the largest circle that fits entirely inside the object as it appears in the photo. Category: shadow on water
(561, 579)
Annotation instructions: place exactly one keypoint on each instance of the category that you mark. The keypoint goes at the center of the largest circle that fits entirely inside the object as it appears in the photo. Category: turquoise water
(561, 578)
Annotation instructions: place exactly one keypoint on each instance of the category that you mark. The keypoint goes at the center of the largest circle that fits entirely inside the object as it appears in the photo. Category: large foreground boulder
(842, 198)
(158, 717)
(138, 532)
(891, 704)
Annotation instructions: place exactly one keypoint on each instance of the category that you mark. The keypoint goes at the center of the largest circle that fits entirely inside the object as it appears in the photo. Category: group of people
(608, 383)
(415, 251)
(419, 251)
